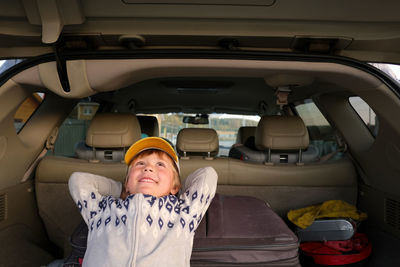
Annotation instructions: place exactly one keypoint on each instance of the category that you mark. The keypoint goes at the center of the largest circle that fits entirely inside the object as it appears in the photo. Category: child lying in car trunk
(143, 223)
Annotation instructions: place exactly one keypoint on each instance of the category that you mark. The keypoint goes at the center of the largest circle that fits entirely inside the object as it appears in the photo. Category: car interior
(78, 104)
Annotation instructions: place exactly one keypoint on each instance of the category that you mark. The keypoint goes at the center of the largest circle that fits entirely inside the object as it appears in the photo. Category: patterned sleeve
(88, 189)
(198, 191)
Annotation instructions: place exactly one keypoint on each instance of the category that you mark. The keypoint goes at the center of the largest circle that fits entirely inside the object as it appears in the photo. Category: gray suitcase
(327, 229)
(243, 231)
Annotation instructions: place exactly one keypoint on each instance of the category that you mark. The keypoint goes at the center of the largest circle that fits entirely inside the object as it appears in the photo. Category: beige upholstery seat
(56, 207)
(149, 125)
(197, 147)
(284, 186)
(278, 139)
(282, 133)
(108, 136)
(197, 142)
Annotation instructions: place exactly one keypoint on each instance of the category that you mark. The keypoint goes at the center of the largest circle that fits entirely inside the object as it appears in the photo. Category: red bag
(333, 253)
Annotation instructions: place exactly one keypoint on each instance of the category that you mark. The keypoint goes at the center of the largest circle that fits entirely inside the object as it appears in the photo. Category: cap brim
(150, 143)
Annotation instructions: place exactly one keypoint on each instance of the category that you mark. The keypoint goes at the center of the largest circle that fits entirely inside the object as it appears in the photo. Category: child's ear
(174, 190)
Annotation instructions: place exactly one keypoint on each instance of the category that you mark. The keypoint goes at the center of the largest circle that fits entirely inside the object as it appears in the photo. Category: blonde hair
(177, 179)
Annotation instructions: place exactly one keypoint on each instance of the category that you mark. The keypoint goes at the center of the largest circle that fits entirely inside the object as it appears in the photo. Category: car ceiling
(194, 95)
(365, 30)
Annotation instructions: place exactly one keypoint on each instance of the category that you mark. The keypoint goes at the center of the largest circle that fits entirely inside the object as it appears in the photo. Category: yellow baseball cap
(151, 143)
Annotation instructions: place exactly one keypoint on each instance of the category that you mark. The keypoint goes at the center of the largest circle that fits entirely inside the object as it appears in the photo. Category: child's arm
(87, 190)
(198, 191)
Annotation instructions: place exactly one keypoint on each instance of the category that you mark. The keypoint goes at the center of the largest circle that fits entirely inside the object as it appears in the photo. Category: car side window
(366, 113)
(74, 128)
(321, 133)
(26, 110)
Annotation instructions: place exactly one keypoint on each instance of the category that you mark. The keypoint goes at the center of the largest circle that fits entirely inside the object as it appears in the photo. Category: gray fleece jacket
(142, 230)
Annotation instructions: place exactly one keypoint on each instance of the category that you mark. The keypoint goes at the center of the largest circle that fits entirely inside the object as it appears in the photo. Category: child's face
(151, 174)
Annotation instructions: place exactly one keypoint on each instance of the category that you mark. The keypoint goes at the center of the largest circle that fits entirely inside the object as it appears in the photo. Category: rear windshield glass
(390, 69)
(8, 63)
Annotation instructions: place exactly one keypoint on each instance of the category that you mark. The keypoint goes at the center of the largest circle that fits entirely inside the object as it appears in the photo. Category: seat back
(285, 139)
(278, 139)
(197, 142)
(108, 137)
(284, 186)
(197, 147)
(56, 207)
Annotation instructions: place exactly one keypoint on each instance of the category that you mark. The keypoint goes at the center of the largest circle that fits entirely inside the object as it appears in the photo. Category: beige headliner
(369, 29)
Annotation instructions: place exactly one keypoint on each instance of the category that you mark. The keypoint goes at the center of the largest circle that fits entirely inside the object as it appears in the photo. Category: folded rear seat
(113, 131)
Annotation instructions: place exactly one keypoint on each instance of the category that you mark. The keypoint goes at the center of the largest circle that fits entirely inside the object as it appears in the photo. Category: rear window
(310, 114)
(318, 126)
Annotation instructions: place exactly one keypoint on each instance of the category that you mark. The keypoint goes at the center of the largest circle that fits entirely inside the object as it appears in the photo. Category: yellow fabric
(304, 217)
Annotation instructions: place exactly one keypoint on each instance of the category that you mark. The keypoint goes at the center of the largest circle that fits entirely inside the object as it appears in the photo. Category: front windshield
(226, 125)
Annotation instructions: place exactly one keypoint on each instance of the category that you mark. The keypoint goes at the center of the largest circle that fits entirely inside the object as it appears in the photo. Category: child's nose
(148, 168)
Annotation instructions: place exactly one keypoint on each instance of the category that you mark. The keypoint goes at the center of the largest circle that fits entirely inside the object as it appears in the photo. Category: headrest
(113, 130)
(244, 133)
(197, 141)
(281, 133)
(149, 125)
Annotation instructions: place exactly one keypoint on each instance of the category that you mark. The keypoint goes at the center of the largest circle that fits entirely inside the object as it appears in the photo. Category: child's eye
(161, 164)
(139, 163)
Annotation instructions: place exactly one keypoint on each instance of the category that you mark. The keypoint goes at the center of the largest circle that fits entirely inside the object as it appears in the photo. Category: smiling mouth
(146, 180)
